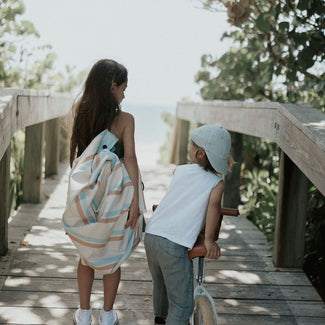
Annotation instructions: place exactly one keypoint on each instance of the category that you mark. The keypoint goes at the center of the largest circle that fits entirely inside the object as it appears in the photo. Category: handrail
(299, 130)
(38, 113)
(20, 108)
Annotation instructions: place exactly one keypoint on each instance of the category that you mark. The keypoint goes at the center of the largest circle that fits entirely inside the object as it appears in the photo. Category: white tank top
(181, 214)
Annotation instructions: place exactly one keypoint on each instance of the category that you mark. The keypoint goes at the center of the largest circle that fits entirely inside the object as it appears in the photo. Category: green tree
(278, 54)
(25, 63)
(16, 53)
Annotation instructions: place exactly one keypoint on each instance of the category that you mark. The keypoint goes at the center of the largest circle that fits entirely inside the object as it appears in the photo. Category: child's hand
(213, 249)
(133, 215)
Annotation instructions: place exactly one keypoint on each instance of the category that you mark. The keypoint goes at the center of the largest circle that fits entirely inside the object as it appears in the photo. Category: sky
(159, 41)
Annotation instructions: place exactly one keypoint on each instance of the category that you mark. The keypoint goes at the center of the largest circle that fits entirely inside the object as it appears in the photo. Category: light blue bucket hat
(216, 142)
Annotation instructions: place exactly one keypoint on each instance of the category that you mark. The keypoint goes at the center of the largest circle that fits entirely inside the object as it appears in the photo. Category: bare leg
(85, 283)
(111, 282)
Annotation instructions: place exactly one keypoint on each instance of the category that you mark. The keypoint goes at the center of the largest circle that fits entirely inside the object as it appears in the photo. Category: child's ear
(201, 154)
(113, 86)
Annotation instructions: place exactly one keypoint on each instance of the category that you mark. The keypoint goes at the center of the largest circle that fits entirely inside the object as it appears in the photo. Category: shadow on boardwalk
(38, 280)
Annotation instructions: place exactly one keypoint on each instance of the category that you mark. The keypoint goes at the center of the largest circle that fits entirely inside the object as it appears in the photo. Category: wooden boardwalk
(38, 276)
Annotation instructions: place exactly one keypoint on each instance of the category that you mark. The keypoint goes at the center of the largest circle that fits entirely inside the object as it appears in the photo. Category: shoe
(82, 316)
(160, 320)
(108, 317)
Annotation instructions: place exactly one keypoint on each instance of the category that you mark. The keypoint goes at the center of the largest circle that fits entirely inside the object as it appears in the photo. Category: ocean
(150, 130)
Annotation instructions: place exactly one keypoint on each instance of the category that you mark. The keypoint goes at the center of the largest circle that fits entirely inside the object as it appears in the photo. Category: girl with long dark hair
(105, 203)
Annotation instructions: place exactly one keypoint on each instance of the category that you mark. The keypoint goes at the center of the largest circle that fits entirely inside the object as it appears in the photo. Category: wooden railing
(299, 130)
(38, 113)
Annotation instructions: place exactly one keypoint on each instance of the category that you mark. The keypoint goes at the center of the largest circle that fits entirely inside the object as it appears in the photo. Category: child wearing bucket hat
(192, 200)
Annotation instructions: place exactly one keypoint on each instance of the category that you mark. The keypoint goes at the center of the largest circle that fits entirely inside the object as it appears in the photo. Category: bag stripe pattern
(100, 193)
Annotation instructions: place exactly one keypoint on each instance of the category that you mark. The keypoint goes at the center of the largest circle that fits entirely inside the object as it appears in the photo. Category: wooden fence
(38, 113)
(299, 130)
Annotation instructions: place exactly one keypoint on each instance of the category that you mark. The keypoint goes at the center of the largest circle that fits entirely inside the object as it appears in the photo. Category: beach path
(38, 275)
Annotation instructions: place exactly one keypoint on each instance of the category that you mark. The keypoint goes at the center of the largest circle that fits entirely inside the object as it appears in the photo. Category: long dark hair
(97, 107)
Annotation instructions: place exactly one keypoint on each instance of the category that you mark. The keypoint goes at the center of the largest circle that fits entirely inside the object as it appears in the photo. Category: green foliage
(66, 81)
(260, 183)
(278, 55)
(314, 261)
(64, 140)
(16, 170)
(315, 223)
(14, 35)
(25, 63)
(259, 199)
(261, 153)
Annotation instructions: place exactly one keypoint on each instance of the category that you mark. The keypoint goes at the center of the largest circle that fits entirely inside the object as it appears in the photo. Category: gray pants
(172, 277)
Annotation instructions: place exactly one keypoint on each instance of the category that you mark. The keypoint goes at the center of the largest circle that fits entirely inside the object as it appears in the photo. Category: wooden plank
(33, 169)
(23, 92)
(262, 291)
(231, 197)
(257, 119)
(41, 283)
(37, 109)
(21, 107)
(55, 300)
(32, 110)
(139, 287)
(226, 319)
(68, 285)
(182, 142)
(7, 122)
(290, 226)
(59, 266)
(63, 265)
(215, 277)
(173, 147)
(2, 279)
(63, 316)
(306, 153)
(299, 130)
(4, 201)
(271, 307)
(307, 119)
(257, 277)
(52, 146)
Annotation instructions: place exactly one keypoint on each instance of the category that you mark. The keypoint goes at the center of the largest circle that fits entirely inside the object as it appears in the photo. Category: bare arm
(212, 221)
(131, 165)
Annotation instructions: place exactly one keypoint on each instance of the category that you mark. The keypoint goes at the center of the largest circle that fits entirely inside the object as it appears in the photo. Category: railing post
(182, 142)
(173, 149)
(33, 171)
(231, 196)
(290, 227)
(4, 200)
(52, 146)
